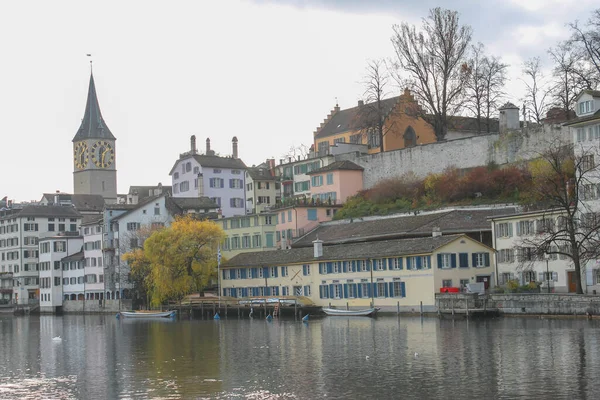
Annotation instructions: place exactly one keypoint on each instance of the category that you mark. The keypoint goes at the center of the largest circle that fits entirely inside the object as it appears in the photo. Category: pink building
(334, 183)
(297, 220)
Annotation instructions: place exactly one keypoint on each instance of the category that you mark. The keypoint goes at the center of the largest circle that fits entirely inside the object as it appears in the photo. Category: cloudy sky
(265, 71)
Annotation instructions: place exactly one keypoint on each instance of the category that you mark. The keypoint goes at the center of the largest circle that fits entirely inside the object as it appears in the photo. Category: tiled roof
(357, 251)
(593, 93)
(92, 124)
(82, 202)
(194, 203)
(469, 124)
(91, 219)
(144, 191)
(74, 257)
(449, 222)
(349, 119)
(213, 162)
(261, 174)
(587, 118)
(336, 166)
(141, 204)
(51, 211)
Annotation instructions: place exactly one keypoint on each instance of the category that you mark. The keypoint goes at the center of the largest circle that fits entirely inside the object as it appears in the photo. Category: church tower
(94, 166)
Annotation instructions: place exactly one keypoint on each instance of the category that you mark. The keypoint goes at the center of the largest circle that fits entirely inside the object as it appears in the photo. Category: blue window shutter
(403, 286)
(439, 260)
(276, 290)
(331, 292)
(387, 291)
(374, 289)
(304, 270)
(268, 291)
(224, 274)
(359, 290)
(429, 261)
(321, 268)
(232, 274)
(408, 263)
(369, 263)
(474, 260)
(275, 270)
(390, 263)
(244, 273)
(345, 290)
(329, 267)
(391, 289)
(244, 292)
(486, 257)
(400, 262)
(265, 272)
(224, 292)
(353, 265)
(345, 266)
(463, 260)
(419, 263)
(453, 260)
(320, 291)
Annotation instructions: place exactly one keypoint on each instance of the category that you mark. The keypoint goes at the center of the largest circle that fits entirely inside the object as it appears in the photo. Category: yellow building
(249, 233)
(402, 128)
(404, 272)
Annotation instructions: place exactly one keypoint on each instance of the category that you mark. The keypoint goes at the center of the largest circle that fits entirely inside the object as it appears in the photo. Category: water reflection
(101, 357)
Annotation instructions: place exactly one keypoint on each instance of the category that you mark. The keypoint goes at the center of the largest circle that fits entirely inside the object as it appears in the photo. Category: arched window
(410, 138)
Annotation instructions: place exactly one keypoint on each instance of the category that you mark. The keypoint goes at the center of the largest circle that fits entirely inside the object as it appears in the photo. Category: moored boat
(147, 314)
(351, 313)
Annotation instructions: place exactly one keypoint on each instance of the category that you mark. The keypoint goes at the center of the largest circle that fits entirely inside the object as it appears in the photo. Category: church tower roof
(93, 125)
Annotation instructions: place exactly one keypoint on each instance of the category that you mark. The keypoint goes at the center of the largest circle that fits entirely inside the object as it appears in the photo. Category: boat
(147, 314)
(351, 313)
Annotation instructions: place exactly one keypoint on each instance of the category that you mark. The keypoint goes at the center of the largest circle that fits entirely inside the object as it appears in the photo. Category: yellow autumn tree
(177, 260)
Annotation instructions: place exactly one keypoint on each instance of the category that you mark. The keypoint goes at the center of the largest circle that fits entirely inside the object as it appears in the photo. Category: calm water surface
(334, 358)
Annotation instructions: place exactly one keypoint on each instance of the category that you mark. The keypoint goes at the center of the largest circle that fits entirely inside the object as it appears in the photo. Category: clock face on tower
(102, 154)
(81, 155)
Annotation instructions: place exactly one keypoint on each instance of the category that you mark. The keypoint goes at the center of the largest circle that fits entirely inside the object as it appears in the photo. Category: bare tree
(483, 88)
(567, 82)
(587, 39)
(434, 61)
(561, 183)
(294, 152)
(535, 89)
(371, 116)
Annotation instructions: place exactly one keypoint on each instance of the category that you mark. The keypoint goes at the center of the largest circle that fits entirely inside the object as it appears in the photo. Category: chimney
(318, 246)
(436, 231)
(234, 145)
(361, 103)
(193, 144)
(200, 179)
(208, 146)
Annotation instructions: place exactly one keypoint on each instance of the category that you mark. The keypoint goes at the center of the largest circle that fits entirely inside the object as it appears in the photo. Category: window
(396, 264)
(330, 179)
(256, 241)
(196, 170)
(586, 107)
(323, 147)
(236, 202)
(156, 210)
(273, 272)
(337, 267)
(317, 181)
(31, 227)
(217, 183)
(133, 226)
(373, 138)
(184, 186)
(216, 200)
(302, 186)
(339, 140)
(216, 171)
(60, 247)
(284, 271)
(379, 264)
(398, 289)
(312, 214)
(526, 254)
(289, 215)
(587, 161)
(268, 220)
(363, 265)
(236, 184)
(447, 283)
(365, 290)
(504, 229)
(246, 242)
(481, 260)
(525, 228)
(446, 261)
(381, 286)
(337, 291)
(236, 171)
(263, 200)
(356, 139)
(176, 175)
(73, 227)
(506, 256)
(306, 269)
(307, 290)
(529, 276)
(50, 227)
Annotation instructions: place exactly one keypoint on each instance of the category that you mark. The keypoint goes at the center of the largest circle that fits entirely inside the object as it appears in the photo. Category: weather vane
(91, 67)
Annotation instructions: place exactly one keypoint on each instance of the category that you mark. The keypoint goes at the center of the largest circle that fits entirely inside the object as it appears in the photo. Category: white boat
(147, 314)
(351, 313)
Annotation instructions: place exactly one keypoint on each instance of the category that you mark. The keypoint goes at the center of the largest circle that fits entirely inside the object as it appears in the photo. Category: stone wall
(461, 153)
(524, 303)
(95, 306)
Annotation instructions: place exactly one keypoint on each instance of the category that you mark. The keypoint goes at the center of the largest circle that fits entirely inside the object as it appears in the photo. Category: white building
(295, 181)
(94, 259)
(517, 259)
(53, 273)
(20, 231)
(263, 189)
(585, 130)
(222, 179)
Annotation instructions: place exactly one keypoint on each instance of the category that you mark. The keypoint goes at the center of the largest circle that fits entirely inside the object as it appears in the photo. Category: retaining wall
(95, 306)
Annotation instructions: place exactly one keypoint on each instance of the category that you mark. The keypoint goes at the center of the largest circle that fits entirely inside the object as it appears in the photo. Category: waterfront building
(85, 204)
(20, 231)
(336, 182)
(222, 179)
(404, 273)
(263, 189)
(94, 153)
(585, 133)
(300, 217)
(93, 258)
(60, 275)
(517, 258)
(250, 233)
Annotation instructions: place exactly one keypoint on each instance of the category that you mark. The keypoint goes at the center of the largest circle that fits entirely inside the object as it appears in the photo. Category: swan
(416, 354)
(57, 339)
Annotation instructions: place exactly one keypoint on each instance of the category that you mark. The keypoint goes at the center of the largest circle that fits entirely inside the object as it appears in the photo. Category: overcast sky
(265, 71)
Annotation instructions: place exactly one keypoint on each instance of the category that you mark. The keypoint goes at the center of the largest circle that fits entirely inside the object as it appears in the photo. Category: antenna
(91, 66)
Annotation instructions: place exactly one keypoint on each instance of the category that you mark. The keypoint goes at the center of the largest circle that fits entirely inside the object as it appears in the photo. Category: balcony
(6, 275)
(306, 202)
(5, 290)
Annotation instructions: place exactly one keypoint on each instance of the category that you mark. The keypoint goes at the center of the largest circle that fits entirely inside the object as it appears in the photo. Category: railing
(303, 201)
(6, 275)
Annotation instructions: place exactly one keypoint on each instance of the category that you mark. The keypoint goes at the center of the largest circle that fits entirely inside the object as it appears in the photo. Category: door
(486, 281)
(572, 282)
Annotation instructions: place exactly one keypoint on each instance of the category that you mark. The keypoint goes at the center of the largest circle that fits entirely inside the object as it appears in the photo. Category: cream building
(250, 233)
(404, 272)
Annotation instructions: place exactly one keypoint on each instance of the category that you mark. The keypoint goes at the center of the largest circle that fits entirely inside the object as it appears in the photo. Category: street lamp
(547, 257)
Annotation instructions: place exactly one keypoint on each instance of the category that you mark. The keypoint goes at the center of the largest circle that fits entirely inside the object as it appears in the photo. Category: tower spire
(92, 124)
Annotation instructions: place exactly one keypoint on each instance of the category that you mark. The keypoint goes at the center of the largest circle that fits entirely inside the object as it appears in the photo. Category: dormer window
(586, 107)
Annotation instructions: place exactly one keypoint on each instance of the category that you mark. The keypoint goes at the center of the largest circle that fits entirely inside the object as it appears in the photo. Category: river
(100, 357)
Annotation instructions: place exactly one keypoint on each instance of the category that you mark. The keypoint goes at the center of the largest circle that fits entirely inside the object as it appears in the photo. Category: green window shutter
(486, 257)
(453, 260)
(474, 260)
(439, 261)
